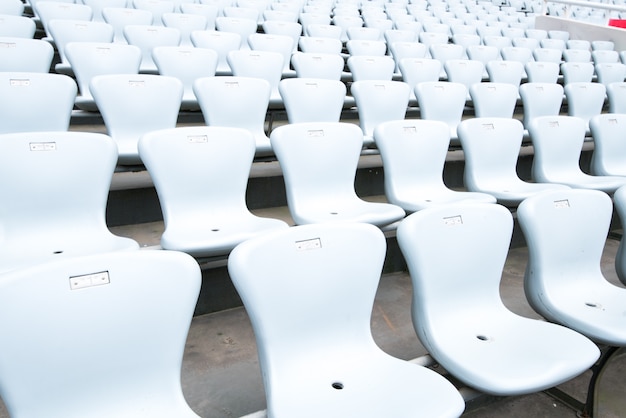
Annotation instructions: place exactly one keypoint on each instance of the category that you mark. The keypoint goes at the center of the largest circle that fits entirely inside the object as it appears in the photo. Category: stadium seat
(281, 44)
(576, 55)
(540, 99)
(379, 101)
(312, 281)
(122, 353)
(312, 99)
(292, 29)
(585, 100)
(47, 11)
(267, 65)
(220, 42)
(609, 150)
(320, 45)
(132, 105)
(25, 55)
(443, 101)
(201, 176)
(318, 65)
(147, 37)
(542, 71)
(88, 59)
(558, 142)
(236, 102)
(120, 17)
(55, 206)
(242, 26)
(366, 47)
(566, 234)
(185, 23)
(369, 67)
(98, 5)
(331, 151)
(491, 147)
(414, 153)
(35, 102)
(577, 72)
(466, 72)
(458, 313)
(209, 11)
(17, 26)
(510, 72)
(608, 73)
(12, 7)
(157, 7)
(616, 93)
(493, 100)
(324, 30)
(548, 55)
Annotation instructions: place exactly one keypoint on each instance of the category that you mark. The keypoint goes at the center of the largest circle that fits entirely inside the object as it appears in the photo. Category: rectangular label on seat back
(8, 44)
(136, 83)
(43, 146)
(561, 204)
(315, 133)
(197, 139)
(453, 220)
(309, 244)
(89, 280)
(19, 82)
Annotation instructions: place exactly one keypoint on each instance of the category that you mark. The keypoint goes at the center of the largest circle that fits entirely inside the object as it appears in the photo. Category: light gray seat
(47, 11)
(120, 17)
(25, 55)
(371, 67)
(414, 153)
(331, 151)
(540, 99)
(443, 101)
(55, 205)
(542, 71)
(491, 147)
(318, 65)
(17, 26)
(318, 282)
(201, 175)
(186, 23)
(585, 100)
(220, 42)
(266, 65)
(566, 233)
(147, 37)
(494, 100)
(558, 142)
(616, 94)
(36, 102)
(609, 150)
(122, 354)
(132, 105)
(458, 313)
(575, 72)
(312, 99)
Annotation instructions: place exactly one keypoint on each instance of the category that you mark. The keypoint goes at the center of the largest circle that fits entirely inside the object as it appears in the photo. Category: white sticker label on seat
(89, 280)
(453, 220)
(19, 82)
(197, 139)
(43, 146)
(561, 204)
(309, 244)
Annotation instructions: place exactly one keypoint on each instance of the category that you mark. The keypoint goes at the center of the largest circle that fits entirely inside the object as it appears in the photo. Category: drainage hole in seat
(337, 385)
(482, 337)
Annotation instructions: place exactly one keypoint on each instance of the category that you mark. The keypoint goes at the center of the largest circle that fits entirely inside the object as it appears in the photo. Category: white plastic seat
(619, 206)
(267, 65)
(578, 44)
(344, 22)
(236, 102)
(510, 72)
(575, 72)
(366, 47)
(89, 59)
(558, 142)
(314, 17)
(220, 42)
(209, 11)
(292, 29)
(54, 207)
(284, 16)
(281, 44)
(523, 42)
(122, 354)
(320, 45)
(50, 10)
(35, 102)
(370, 67)
(542, 71)
(364, 33)
(185, 23)
(398, 35)
(331, 151)
(413, 154)
(604, 55)
(576, 55)
(157, 7)
(400, 50)
(242, 26)
(559, 34)
(17, 26)
(540, 99)
(616, 94)
(445, 52)
(312, 99)
(242, 12)
(609, 151)
(98, 5)
(132, 105)
(187, 64)
(432, 38)
(25, 55)
(318, 65)
(491, 147)
(147, 37)
(497, 41)
(201, 175)
(443, 101)
(379, 101)
(458, 313)
(342, 372)
(566, 234)
(494, 100)
(539, 34)
(65, 31)
(12, 7)
(608, 73)
(418, 70)
(585, 100)
(602, 45)
(120, 17)
(548, 55)
(323, 30)
(466, 72)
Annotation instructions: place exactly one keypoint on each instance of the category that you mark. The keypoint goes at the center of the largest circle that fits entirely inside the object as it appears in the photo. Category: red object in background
(618, 23)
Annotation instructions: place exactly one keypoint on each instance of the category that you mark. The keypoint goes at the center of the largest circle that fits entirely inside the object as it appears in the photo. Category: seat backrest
(494, 100)
(320, 45)
(157, 8)
(12, 7)
(578, 44)
(123, 351)
(400, 50)
(308, 281)
(25, 55)
(552, 43)
(36, 102)
(604, 55)
(364, 33)
(553, 55)
(558, 142)
(575, 72)
(98, 5)
(445, 52)
(132, 105)
(585, 100)
(50, 10)
(220, 42)
(491, 147)
(312, 99)
(147, 37)
(379, 101)
(566, 234)
(64, 31)
(292, 29)
(413, 153)
(344, 22)
(209, 11)
(479, 235)
(602, 45)
(200, 169)
(185, 63)
(267, 65)
(540, 99)
(399, 35)
(370, 67)
(318, 65)
(366, 47)
(576, 55)
(185, 23)
(542, 71)
(616, 93)
(17, 26)
(441, 100)
(609, 149)
(466, 72)
(302, 147)
(325, 30)
(523, 42)
(120, 17)
(517, 53)
(610, 72)
(281, 44)
(483, 53)
(505, 72)
(89, 59)
(242, 26)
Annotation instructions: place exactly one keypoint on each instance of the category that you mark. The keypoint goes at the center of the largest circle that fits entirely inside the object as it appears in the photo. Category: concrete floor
(221, 377)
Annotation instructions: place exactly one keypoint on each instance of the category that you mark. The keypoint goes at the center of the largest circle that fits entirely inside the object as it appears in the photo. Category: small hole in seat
(591, 305)
(337, 385)
(482, 337)
(58, 252)
(334, 213)
(215, 230)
